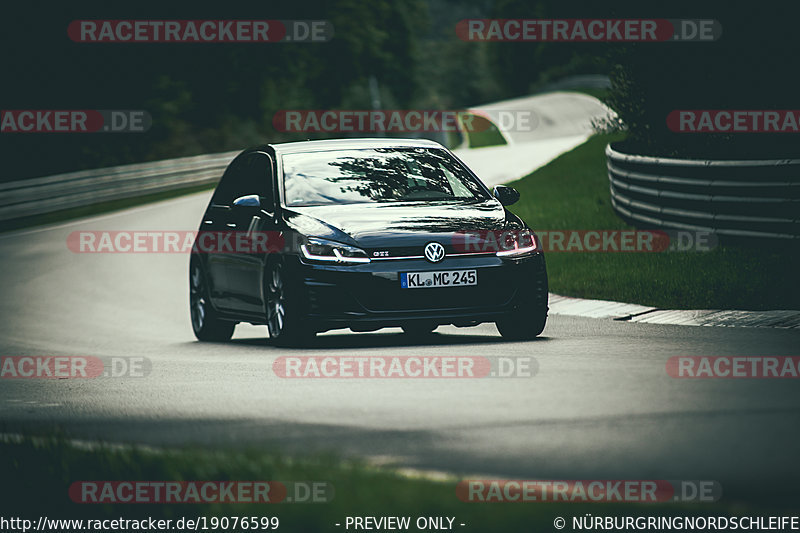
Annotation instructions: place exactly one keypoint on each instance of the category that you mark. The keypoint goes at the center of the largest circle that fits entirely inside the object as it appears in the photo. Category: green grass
(572, 193)
(482, 132)
(42, 470)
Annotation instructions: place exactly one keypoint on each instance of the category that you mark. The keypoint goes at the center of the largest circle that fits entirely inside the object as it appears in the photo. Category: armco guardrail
(38, 196)
(747, 198)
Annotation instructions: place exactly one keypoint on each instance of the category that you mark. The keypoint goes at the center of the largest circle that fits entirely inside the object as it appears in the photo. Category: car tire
(282, 302)
(522, 326)
(206, 325)
(419, 330)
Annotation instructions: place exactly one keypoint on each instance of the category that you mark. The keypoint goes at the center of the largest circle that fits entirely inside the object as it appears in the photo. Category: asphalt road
(601, 405)
(537, 129)
(543, 117)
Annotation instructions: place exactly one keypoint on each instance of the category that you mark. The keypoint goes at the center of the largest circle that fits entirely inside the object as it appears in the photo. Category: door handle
(253, 225)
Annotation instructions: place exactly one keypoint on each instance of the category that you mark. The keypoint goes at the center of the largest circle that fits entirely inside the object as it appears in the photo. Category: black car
(362, 234)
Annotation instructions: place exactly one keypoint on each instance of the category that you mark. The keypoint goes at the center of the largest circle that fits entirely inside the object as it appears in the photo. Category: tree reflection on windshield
(376, 175)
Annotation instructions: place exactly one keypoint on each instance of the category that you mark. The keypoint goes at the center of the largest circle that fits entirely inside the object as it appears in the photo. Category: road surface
(600, 406)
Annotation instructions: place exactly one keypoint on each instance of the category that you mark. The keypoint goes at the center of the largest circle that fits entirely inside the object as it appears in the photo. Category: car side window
(248, 174)
(224, 194)
(258, 178)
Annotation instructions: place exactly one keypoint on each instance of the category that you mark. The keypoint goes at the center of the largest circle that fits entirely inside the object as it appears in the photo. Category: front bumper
(369, 296)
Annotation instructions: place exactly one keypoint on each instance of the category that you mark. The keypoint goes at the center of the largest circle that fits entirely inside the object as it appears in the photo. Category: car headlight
(516, 243)
(315, 249)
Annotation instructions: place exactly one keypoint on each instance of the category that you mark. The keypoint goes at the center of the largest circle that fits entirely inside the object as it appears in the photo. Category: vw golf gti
(364, 234)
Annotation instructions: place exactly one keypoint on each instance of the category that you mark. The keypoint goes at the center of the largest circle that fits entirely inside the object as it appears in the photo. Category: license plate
(442, 278)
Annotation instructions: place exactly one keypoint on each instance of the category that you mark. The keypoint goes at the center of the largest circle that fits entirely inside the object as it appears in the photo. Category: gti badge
(434, 252)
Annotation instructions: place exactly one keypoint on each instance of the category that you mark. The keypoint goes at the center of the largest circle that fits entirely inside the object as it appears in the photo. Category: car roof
(351, 144)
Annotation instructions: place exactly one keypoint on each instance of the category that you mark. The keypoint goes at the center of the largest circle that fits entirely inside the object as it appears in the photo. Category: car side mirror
(506, 195)
(250, 200)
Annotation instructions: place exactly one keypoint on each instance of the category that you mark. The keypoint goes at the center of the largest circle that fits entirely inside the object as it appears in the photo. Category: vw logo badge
(434, 252)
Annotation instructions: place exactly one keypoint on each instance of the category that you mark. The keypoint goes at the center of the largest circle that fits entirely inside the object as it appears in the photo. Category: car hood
(391, 225)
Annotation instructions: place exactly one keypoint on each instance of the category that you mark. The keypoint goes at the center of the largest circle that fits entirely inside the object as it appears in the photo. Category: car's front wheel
(283, 308)
(528, 319)
(207, 326)
(522, 326)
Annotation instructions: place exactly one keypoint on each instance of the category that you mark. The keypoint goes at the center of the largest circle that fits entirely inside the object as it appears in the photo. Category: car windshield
(376, 175)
